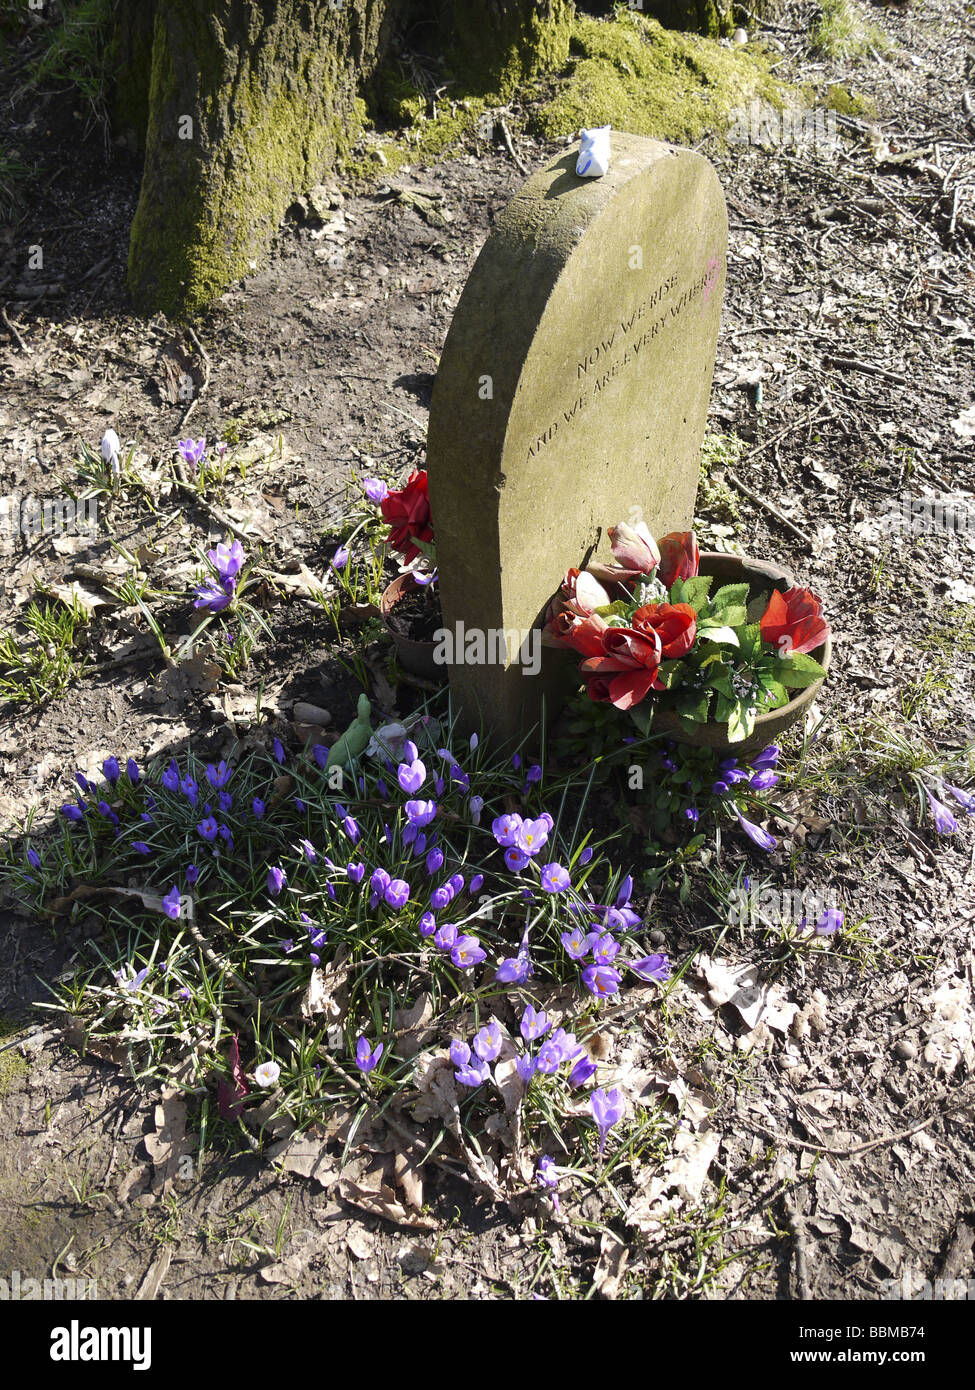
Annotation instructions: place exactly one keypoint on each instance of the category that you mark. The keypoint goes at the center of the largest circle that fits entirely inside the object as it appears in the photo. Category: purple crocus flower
(692, 814)
(320, 753)
(607, 1110)
(576, 943)
(515, 859)
(434, 861)
(532, 835)
(355, 872)
(218, 776)
(191, 451)
(767, 758)
(546, 1176)
(141, 847)
(340, 559)
(105, 810)
(34, 859)
(191, 873)
(276, 879)
(764, 779)
(582, 1071)
(366, 1057)
(534, 774)
(170, 777)
(605, 949)
(257, 806)
(378, 883)
(445, 936)
(189, 789)
(308, 850)
(111, 770)
(420, 813)
(601, 980)
(208, 829)
(534, 1024)
(476, 806)
(965, 799)
(460, 1053)
(397, 893)
(555, 878)
(227, 561)
(213, 596)
(351, 827)
(549, 1057)
(505, 829)
(130, 985)
(171, 902)
(586, 855)
(84, 784)
(475, 1073)
(476, 884)
(466, 952)
(487, 1043)
(944, 821)
(427, 924)
(441, 897)
(277, 750)
(760, 837)
(513, 970)
(526, 1067)
(411, 775)
(830, 920)
(226, 801)
(655, 967)
(72, 812)
(375, 489)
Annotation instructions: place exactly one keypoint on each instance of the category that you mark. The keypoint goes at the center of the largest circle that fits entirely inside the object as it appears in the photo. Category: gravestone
(573, 387)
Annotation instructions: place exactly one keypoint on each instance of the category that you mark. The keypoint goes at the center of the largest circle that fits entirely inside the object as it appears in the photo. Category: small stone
(740, 36)
(658, 938)
(905, 1049)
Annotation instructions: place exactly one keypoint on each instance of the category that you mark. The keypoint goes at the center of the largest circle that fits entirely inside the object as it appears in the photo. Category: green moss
(12, 1063)
(631, 73)
(494, 51)
(848, 103)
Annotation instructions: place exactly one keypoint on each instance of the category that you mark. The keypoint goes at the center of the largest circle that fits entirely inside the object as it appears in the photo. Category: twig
(869, 1144)
(13, 332)
(853, 364)
(797, 1228)
(502, 125)
(768, 507)
(206, 376)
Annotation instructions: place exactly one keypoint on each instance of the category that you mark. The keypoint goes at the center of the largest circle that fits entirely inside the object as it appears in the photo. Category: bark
(251, 101)
(712, 17)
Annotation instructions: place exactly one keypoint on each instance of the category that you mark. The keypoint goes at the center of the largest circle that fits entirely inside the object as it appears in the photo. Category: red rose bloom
(625, 673)
(679, 557)
(674, 623)
(794, 622)
(408, 514)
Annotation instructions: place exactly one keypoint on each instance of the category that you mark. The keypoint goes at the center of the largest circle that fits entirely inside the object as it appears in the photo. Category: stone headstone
(572, 388)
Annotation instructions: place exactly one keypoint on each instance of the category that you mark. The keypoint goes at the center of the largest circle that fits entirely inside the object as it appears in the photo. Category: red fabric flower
(794, 622)
(627, 670)
(567, 629)
(408, 514)
(679, 557)
(674, 623)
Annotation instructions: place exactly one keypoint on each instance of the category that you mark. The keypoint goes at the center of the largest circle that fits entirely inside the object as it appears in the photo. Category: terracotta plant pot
(415, 657)
(769, 728)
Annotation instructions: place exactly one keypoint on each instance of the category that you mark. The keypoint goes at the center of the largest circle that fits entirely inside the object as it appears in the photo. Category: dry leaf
(411, 1031)
(307, 1155)
(613, 1255)
(170, 1142)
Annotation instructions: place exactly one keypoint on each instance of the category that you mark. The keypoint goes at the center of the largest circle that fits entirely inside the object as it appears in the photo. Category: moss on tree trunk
(251, 101)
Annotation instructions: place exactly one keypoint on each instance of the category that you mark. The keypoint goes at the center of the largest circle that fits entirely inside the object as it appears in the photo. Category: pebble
(905, 1049)
(740, 36)
(658, 938)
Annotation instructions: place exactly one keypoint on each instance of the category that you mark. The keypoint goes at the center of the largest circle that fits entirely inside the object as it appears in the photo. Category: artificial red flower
(794, 622)
(627, 670)
(674, 623)
(679, 557)
(567, 629)
(408, 514)
(634, 549)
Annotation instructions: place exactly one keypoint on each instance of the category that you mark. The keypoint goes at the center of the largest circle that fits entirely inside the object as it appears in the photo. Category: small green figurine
(354, 741)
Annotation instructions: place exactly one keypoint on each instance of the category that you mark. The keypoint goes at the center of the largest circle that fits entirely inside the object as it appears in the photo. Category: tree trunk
(251, 101)
(712, 17)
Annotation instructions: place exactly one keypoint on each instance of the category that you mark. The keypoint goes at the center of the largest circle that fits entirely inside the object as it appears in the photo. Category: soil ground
(851, 305)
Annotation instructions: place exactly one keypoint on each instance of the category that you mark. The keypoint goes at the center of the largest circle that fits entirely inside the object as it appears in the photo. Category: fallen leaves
(761, 1007)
